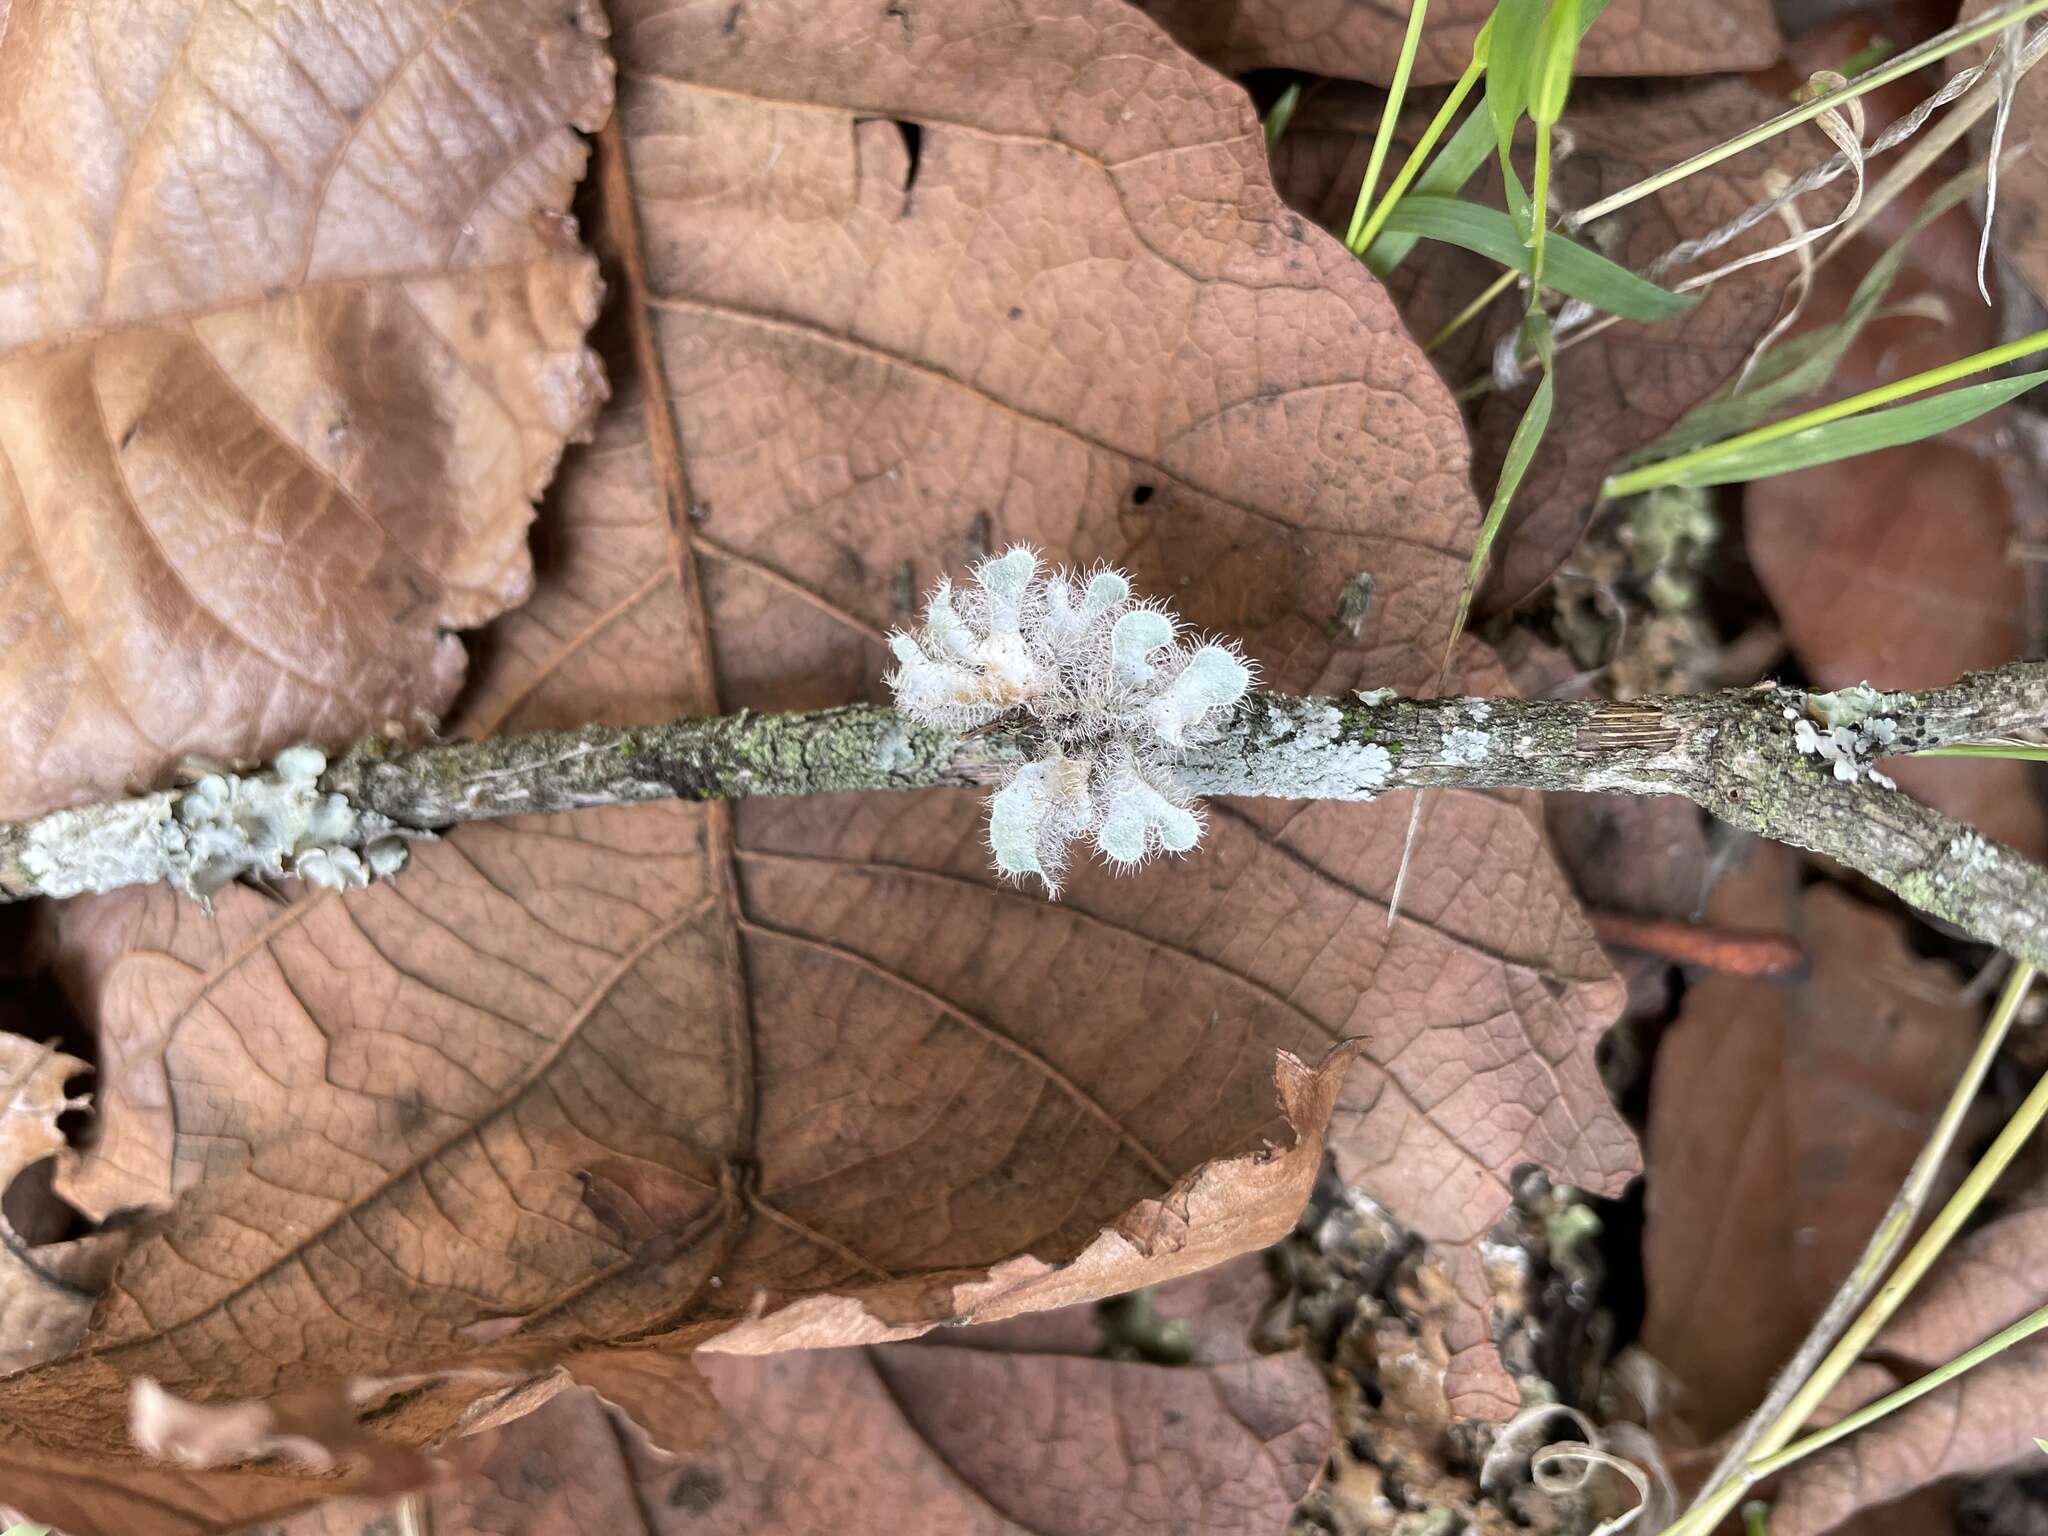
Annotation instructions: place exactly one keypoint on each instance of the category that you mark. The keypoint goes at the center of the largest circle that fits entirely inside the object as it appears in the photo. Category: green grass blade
(1855, 435)
(1796, 368)
(1556, 47)
(1404, 177)
(1675, 471)
(1570, 268)
(1389, 114)
(1455, 164)
(1511, 67)
(1280, 114)
(1548, 89)
(1521, 451)
(2024, 751)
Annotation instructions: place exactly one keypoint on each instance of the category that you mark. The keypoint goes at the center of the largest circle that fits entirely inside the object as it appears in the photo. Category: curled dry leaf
(47, 1290)
(1629, 384)
(1017, 1427)
(1782, 1118)
(1361, 39)
(898, 287)
(291, 334)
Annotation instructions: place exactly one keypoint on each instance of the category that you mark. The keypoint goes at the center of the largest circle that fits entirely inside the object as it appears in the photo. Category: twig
(1734, 753)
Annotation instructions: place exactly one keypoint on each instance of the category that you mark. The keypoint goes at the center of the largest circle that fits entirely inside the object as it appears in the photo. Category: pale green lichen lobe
(1305, 754)
(277, 822)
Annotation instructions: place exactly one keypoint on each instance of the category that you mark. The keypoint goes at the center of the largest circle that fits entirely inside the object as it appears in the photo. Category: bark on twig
(1736, 753)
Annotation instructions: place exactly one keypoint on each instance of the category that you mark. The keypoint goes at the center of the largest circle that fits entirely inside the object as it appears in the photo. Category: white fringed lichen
(1113, 686)
(1849, 730)
(276, 822)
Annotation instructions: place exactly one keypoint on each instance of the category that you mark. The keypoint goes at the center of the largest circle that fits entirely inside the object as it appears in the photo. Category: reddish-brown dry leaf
(1985, 1420)
(916, 284)
(1011, 1428)
(1896, 566)
(291, 334)
(1782, 1118)
(1361, 39)
(1627, 385)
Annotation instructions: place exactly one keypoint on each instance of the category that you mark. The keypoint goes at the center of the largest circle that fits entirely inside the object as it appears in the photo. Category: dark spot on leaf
(913, 146)
(1140, 494)
(980, 536)
(731, 24)
(129, 436)
(1294, 229)
(696, 1491)
(1016, 311)
(538, 1475)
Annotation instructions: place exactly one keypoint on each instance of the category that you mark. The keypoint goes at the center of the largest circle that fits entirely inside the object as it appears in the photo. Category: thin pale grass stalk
(1847, 134)
(1412, 166)
(1801, 289)
(2023, 751)
(1887, 189)
(1635, 481)
(1407, 854)
(1938, 47)
(1384, 139)
(2008, 86)
(1886, 1240)
(1719, 1497)
(1472, 311)
(1769, 1466)
(1895, 133)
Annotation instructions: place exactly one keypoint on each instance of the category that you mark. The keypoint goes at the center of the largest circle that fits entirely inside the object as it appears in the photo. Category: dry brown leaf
(1012, 1428)
(1361, 39)
(1782, 1119)
(291, 334)
(1896, 565)
(47, 1290)
(1626, 386)
(807, 1072)
(1988, 1419)
(1985, 1420)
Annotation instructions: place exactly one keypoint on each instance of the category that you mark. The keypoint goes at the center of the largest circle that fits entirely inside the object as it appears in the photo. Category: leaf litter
(603, 1088)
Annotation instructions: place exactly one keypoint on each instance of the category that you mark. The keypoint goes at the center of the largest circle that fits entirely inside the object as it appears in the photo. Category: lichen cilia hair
(1115, 685)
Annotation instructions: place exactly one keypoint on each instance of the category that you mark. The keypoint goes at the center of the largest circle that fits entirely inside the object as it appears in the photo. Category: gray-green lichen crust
(277, 822)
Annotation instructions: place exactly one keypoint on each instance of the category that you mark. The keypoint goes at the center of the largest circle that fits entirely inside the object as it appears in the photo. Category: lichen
(1850, 706)
(277, 822)
(893, 754)
(1115, 690)
(1465, 747)
(1849, 737)
(1374, 697)
(1304, 754)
